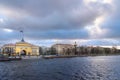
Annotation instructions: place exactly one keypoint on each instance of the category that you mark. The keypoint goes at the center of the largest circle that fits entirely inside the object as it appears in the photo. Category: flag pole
(22, 34)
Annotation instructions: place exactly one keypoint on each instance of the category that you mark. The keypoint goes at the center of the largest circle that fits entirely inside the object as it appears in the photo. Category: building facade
(8, 49)
(21, 48)
(64, 49)
(24, 48)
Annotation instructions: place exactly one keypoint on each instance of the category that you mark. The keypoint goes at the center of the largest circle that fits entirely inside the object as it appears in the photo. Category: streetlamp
(75, 46)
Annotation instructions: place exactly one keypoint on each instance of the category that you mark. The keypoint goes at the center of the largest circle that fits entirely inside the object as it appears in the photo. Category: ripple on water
(85, 68)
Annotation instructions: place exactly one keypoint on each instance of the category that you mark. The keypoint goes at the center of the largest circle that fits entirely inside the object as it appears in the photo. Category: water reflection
(80, 68)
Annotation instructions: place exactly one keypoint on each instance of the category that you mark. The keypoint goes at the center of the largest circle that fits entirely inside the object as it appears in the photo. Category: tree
(53, 51)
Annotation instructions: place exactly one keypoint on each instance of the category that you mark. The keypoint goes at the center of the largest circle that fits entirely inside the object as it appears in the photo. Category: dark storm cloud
(50, 19)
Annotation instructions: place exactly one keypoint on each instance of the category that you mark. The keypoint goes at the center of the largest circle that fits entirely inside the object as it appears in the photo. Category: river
(77, 68)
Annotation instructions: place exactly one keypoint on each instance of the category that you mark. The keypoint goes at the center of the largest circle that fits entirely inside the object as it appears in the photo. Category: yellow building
(21, 48)
(24, 48)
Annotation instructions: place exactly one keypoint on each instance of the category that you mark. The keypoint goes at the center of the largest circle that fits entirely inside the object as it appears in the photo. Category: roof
(26, 43)
(63, 45)
(9, 44)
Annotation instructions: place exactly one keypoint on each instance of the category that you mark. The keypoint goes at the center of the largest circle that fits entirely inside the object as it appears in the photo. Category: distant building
(8, 49)
(20, 48)
(64, 49)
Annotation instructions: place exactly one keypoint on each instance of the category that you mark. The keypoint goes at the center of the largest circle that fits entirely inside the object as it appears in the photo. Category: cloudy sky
(45, 22)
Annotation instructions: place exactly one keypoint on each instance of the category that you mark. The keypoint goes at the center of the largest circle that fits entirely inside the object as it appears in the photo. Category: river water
(79, 68)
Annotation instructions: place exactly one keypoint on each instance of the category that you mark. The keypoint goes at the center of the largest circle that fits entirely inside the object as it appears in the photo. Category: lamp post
(57, 48)
(75, 47)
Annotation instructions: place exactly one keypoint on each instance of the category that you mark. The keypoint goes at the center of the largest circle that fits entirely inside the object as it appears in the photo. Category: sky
(46, 22)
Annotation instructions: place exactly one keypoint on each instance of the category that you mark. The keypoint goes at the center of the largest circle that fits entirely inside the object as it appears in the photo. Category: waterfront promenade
(31, 57)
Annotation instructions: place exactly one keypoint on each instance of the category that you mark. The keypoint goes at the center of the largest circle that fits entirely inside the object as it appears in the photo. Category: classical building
(64, 49)
(8, 49)
(20, 48)
(24, 48)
